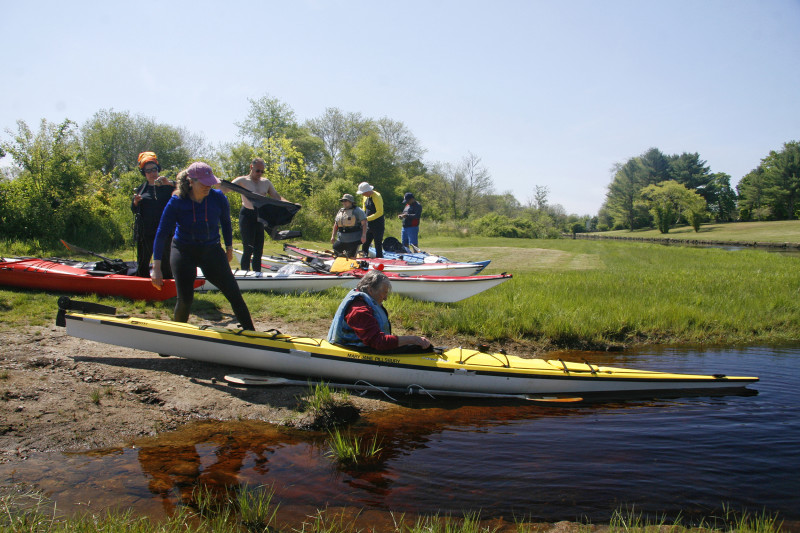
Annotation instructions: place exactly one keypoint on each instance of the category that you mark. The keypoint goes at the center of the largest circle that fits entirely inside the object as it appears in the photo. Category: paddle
(271, 381)
(114, 266)
(77, 250)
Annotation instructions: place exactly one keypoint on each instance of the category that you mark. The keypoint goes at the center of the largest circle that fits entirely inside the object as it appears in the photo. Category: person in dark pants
(349, 227)
(412, 212)
(252, 230)
(149, 201)
(373, 207)
(196, 215)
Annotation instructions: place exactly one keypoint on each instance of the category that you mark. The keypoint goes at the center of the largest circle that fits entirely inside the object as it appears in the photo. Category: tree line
(74, 182)
(658, 190)
(71, 181)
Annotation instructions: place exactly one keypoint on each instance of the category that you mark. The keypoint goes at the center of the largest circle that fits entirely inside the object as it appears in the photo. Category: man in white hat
(373, 207)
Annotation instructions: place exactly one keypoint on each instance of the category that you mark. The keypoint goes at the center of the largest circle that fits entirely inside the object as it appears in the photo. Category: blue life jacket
(341, 333)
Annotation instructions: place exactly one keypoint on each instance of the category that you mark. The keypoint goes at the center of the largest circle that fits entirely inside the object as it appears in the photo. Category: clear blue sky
(545, 93)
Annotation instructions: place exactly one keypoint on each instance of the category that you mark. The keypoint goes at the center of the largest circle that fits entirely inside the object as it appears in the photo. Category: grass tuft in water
(255, 508)
(350, 450)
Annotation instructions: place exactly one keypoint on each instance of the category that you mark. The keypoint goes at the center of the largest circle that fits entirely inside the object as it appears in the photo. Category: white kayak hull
(296, 283)
(455, 370)
(419, 269)
(440, 289)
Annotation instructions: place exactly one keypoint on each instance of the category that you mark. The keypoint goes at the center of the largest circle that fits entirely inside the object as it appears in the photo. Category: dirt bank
(63, 393)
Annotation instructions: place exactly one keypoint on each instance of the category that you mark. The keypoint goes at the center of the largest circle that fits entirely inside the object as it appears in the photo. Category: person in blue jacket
(196, 214)
(412, 212)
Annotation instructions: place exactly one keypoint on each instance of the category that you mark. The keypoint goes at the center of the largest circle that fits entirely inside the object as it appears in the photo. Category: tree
(404, 145)
(338, 129)
(692, 172)
(540, 197)
(373, 160)
(623, 192)
(112, 141)
(51, 197)
(267, 118)
(655, 166)
(782, 171)
(668, 200)
(752, 195)
(722, 205)
(465, 185)
(772, 190)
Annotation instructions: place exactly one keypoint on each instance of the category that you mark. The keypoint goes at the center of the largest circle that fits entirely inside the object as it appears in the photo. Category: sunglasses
(150, 169)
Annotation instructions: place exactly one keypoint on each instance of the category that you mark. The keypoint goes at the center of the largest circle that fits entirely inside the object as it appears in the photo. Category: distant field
(777, 231)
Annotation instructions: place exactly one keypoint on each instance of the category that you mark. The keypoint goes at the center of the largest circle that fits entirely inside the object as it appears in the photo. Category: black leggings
(252, 239)
(144, 251)
(185, 259)
(348, 249)
(374, 232)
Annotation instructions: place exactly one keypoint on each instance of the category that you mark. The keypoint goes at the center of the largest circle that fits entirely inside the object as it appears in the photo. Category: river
(667, 457)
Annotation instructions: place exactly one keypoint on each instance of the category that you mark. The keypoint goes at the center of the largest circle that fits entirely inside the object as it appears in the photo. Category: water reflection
(665, 455)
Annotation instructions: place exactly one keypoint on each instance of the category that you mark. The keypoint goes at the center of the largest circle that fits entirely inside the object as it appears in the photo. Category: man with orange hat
(149, 200)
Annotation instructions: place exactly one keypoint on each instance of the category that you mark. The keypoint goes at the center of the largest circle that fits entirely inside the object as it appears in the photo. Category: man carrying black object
(250, 226)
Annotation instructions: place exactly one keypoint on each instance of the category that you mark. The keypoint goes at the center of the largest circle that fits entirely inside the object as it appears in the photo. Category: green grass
(564, 294)
(353, 451)
(779, 231)
(247, 509)
(95, 396)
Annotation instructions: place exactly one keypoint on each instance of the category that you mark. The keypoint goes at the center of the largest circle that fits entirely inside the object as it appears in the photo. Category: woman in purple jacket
(196, 215)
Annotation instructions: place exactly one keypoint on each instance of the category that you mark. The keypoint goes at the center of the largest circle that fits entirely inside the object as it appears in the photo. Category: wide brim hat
(348, 197)
(365, 187)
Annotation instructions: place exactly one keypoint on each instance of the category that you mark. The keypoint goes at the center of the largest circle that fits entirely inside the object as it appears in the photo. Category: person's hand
(363, 239)
(333, 240)
(136, 199)
(156, 278)
(423, 342)
(229, 253)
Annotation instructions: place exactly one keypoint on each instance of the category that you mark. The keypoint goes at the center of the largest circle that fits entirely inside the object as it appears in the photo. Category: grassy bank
(250, 509)
(564, 294)
(778, 231)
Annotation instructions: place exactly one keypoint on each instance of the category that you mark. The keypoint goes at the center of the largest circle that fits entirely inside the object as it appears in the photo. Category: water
(686, 456)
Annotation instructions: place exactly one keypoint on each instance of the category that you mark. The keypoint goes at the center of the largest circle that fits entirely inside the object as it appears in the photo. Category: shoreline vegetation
(566, 294)
(251, 509)
(771, 235)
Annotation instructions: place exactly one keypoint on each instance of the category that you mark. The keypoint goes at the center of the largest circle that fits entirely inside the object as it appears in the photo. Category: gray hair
(372, 281)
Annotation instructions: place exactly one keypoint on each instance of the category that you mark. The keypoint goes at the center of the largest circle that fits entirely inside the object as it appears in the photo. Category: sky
(545, 93)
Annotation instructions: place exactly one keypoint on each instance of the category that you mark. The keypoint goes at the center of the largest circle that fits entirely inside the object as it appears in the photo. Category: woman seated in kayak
(362, 322)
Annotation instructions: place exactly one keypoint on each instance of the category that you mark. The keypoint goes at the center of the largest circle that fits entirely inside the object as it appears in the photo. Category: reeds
(353, 451)
(250, 509)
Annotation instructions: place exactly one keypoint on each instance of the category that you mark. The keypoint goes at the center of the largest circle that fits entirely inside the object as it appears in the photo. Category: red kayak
(32, 273)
